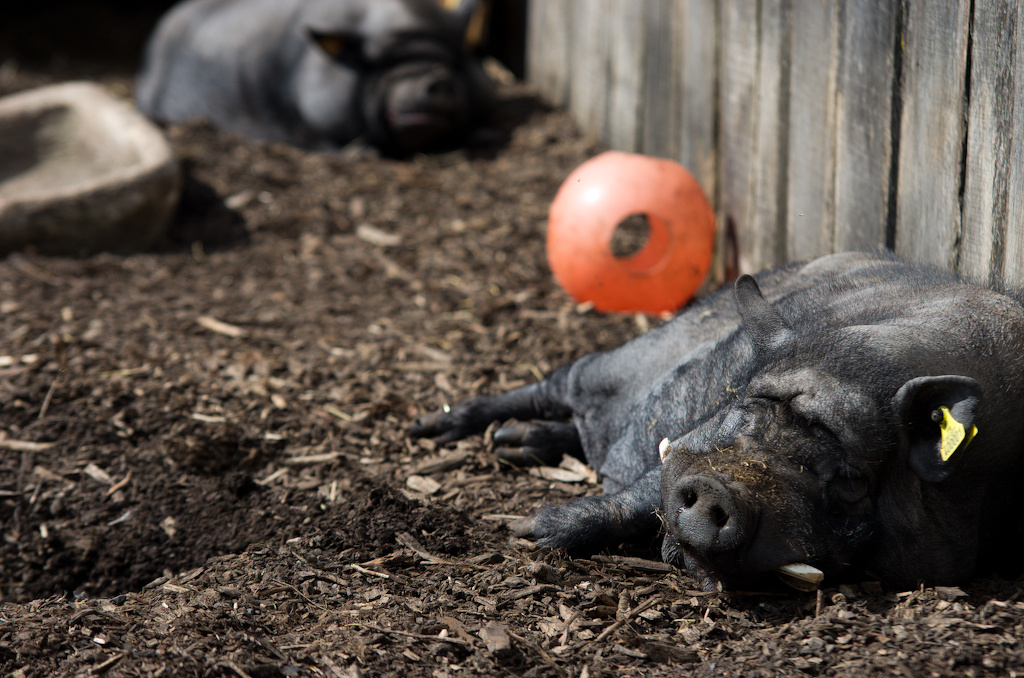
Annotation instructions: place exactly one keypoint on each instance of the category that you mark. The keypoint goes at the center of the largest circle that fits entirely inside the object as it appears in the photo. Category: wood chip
(120, 484)
(273, 476)
(576, 466)
(949, 593)
(422, 484)
(496, 638)
(375, 236)
(124, 517)
(46, 474)
(97, 474)
(501, 516)
(559, 475)
(27, 359)
(409, 541)
(421, 366)
(170, 526)
(457, 626)
(641, 564)
(24, 446)
(221, 327)
(310, 459)
(209, 419)
(440, 464)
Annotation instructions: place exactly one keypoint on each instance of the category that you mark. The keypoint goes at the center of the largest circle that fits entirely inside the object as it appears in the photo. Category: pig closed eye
(849, 489)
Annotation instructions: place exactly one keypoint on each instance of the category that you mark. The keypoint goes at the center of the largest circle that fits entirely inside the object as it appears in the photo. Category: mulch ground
(205, 470)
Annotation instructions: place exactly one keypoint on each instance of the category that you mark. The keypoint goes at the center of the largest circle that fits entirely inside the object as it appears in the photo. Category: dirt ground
(204, 469)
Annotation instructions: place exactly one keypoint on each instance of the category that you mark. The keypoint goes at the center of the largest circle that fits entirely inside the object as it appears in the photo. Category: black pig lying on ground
(861, 413)
(318, 73)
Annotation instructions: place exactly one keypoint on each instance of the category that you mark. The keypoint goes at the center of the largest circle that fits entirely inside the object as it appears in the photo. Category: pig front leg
(590, 524)
(542, 436)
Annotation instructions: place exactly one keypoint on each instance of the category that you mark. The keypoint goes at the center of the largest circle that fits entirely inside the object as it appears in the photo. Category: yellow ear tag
(953, 434)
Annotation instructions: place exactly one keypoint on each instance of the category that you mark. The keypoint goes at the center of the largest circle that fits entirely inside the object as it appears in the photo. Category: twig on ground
(539, 651)
(622, 622)
(417, 636)
(408, 541)
(49, 394)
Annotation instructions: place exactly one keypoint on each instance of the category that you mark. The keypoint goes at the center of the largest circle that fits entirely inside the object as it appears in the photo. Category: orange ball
(602, 193)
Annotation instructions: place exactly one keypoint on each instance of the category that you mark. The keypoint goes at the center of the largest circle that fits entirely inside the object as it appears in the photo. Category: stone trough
(82, 172)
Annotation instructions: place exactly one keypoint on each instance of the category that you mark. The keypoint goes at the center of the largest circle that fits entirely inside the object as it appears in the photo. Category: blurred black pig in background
(319, 73)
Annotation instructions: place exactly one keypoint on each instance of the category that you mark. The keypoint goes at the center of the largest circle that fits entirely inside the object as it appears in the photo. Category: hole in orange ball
(654, 252)
(630, 236)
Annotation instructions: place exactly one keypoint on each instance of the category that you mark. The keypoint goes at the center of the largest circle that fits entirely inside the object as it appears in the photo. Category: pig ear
(767, 329)
(938, 421)
(344, 47)
(462, 11)
(469, 22)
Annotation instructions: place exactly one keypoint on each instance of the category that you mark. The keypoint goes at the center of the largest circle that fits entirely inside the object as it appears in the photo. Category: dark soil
(205, 471)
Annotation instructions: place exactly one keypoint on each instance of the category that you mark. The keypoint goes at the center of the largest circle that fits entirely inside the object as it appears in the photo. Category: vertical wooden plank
(866, 73)
(548, 48)
(625, 71)
(661, 98)
(695, 23)
(765, 245)
(737, 123)
(932, 131)
(538, 61)
(588, 86)
(989, 139)
(1013, 261)
(810, 186)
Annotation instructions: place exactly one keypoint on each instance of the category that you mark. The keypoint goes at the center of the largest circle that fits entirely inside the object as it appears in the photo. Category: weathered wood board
(814, 125)
(932, 131)
(867, 77)
(990, 142)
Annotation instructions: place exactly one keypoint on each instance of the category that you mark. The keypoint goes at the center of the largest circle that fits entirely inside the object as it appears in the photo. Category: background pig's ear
(767, 329)
(462, 11)
(344, 47)
(938, 417)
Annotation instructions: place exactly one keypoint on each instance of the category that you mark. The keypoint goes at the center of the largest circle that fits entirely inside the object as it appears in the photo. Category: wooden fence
(813, 125)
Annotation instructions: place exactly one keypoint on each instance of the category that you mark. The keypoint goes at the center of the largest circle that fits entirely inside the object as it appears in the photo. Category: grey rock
(82, 172)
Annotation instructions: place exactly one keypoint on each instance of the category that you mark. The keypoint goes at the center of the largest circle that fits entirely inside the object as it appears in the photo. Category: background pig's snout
(708, 518)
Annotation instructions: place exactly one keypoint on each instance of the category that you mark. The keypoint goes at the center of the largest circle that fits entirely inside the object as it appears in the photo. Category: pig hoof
(430, 425)
(443, 427)
(522, 527)
(528, 456)
(537, 442)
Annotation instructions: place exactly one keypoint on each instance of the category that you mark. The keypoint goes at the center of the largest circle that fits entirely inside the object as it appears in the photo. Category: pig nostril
(719, 517)
(689, 499)
(441, 88)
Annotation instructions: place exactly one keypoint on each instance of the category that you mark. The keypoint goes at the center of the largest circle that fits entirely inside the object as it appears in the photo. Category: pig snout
(709, 518)
(719, 530)
(432, 97)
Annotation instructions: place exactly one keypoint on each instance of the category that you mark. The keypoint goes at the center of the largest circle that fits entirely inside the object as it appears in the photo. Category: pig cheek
(793, 515)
